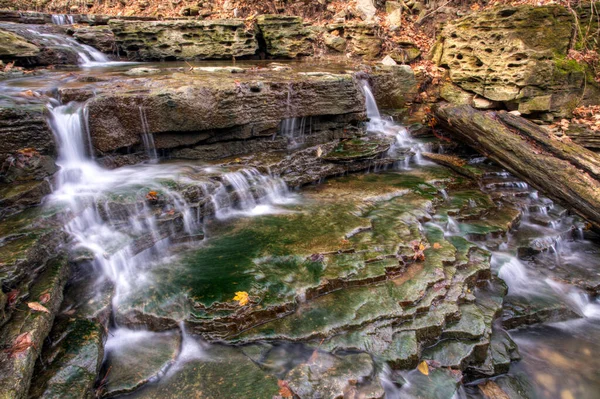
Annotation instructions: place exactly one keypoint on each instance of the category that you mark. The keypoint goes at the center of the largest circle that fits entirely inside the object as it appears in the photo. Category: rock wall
(284, 36)
(515, 55)
(183, 40)
(204, 107)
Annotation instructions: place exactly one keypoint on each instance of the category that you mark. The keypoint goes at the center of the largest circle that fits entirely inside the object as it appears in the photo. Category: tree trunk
(563, 171)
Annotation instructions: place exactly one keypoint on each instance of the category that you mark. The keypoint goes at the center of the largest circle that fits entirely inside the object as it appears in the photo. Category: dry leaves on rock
(491, 390)
(44, 298)
(20, 345)
(152, 196)
(38, 307)
(418, 247)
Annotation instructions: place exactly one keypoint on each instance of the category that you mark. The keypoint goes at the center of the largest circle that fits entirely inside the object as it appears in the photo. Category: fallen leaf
(38, 307)
(436, 245)
(12, 297)
(20, 345)
(45, 297)
(152, 196)
(319, 152)
(242, 298)
(423, 368)
(284, 389)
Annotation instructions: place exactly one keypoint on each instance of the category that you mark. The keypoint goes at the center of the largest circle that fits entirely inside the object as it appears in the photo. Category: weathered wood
(563, 171)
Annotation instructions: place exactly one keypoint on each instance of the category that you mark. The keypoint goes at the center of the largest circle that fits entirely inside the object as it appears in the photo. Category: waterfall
(125, 236)
(147, 137)
(62, 19)
(370, 103)
(403, 145)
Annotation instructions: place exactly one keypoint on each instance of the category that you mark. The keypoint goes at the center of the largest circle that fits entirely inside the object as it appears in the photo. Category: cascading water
(116, 233)
(147, 137)
(63, 19)
(403, 143)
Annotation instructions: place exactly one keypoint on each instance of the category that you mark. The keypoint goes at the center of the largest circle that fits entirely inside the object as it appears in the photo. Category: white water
(403, 145)
(147, 137)
(116, 231)
(62, 19)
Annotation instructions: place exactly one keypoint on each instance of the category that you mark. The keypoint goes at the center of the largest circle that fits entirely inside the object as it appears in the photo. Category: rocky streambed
(259, 230)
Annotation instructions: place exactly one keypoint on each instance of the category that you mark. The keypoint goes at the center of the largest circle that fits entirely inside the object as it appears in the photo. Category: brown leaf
(38, 307)
(20, 345)
(45, 297)
(12, 297)
(284, 389)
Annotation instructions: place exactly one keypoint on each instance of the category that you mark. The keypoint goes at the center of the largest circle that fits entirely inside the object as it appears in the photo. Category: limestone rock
(394, 87)
(519, 57)
(389, 61)
(183, 39)
(366, 9)
(362, 38)
(99, 37)
(394, 19)
(285, 36)
(334, 41)
(13, 47)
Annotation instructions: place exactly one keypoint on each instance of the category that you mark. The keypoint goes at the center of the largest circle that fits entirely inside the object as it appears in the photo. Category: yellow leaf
(421, 247)
(436, 245)
(242, 298)
(37, 306)
(423, 368)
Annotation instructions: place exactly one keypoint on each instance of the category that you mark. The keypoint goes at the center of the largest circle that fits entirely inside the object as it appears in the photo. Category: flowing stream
(178, 240)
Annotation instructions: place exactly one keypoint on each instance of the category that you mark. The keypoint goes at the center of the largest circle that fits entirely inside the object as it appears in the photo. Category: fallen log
(565, 172)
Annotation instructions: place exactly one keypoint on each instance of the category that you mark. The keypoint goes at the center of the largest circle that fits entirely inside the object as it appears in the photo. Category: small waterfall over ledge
(127, 216)
(377, 124)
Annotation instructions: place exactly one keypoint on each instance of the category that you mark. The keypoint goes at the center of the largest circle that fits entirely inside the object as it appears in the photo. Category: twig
(432, 12)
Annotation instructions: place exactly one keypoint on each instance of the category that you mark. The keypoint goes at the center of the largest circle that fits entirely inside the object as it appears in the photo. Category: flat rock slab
(221, 372)
(135, 358)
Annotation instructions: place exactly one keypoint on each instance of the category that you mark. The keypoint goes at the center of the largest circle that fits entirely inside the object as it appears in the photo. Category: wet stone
(135, 358)
(218, 372)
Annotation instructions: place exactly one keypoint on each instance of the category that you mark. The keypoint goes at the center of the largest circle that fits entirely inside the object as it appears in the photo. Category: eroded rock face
(188, 110)
(361, 38)
(183, 39)
(516, 55)
(285, 36)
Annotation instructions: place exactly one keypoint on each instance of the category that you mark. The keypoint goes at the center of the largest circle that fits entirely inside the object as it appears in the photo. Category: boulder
(519, 57)
(362, 38)
(284, 36)
(13, 47)
(366, 9)
(394, 86)
(221, 111)
(183, 39)
(334, 41)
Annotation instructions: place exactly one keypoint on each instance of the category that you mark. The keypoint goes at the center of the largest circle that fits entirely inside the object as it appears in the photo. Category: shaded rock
(16, 196)
(519, 57)
(284, 36)
(183, 39)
